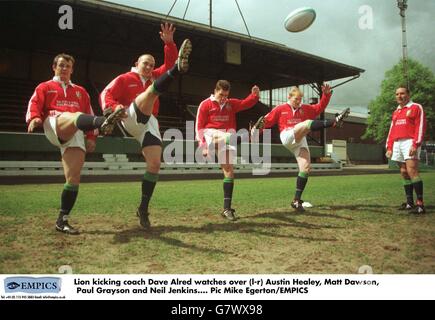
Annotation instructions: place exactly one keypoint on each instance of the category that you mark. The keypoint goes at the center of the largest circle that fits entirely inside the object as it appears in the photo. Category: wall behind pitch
(365, 153)
(14, 64)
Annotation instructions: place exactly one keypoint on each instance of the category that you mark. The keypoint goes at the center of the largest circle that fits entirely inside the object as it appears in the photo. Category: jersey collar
(212, 98)
(409, 104)
(294, 109)
(57, 79)
(142, 78)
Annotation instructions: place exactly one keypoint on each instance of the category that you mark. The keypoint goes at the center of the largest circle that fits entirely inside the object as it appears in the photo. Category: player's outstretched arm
(167, 33)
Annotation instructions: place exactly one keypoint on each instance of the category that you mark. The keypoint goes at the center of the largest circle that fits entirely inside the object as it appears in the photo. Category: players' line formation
(64, 111)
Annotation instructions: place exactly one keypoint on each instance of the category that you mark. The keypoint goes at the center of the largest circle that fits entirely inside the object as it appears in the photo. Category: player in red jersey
(215, 124)
(138, 92)
(295, 120)
(64, 110)
(403, 145)
(123, 89)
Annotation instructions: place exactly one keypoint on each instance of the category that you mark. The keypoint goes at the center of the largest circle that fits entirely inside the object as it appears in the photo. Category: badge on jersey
(408, 113)
(78, 94)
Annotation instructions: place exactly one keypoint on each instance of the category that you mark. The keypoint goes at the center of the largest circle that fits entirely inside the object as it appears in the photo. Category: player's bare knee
(228, 170)
(153, 166)
(412, 173)
(404, 174)
(74, 180)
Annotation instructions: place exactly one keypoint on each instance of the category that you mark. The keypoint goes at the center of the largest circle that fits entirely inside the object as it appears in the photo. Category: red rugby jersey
(408, 122)
(52, 98)
(287, 117)
(212, 115)
(126, 87)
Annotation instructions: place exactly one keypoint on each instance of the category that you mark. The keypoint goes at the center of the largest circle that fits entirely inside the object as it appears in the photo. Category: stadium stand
(106, 40)
(14, 95)
(23, 154)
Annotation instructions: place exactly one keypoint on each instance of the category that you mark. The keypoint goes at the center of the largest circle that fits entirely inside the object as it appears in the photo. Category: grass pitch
(354, 222)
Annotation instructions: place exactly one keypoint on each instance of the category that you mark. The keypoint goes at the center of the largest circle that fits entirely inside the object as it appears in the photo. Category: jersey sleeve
(420, 127)
(171, 55)
(35, 108)
(248, 102)
(390, 141)
(110, 96)
(201, 122)
(321, 106)
(272, 117)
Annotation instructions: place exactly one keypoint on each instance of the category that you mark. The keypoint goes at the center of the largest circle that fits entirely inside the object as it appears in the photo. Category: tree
(422, 88)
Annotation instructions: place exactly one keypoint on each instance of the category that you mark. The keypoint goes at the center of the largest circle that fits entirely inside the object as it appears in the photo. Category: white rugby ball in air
(300, 19)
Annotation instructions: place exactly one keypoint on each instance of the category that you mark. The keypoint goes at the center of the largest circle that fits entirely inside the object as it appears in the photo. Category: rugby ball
(300, 19)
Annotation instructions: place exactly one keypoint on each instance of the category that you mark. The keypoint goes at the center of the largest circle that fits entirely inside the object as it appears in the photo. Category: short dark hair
(223, 84)
(404, 87)
(65, 56)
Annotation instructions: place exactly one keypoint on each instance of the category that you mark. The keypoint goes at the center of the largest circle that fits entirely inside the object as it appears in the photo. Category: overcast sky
(335, 34)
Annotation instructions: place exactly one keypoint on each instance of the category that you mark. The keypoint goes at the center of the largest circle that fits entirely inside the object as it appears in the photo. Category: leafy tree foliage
(422, 87)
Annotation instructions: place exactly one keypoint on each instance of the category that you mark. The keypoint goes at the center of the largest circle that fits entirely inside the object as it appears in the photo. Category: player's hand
(204, 148)
(326, 88)
(90, 145)
(167, 33)
(254, 135)
(35, 123)
(205, 152)
(255, 90)
(124, 114)
(388, 154)
(412, 151)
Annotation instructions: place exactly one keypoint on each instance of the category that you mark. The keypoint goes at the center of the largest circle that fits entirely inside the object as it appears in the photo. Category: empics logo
(32, 285)
(12, 285)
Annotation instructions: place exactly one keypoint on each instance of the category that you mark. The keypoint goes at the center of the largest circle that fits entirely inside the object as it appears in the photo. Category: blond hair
(295, 91)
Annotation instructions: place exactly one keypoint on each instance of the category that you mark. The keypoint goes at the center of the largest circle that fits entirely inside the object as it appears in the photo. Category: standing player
(138, 92)
(295, 121)
(404, 140)
(65, 112)
(215, 124)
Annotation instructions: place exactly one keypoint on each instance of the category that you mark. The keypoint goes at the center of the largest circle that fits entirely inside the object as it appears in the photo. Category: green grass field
(354, 222)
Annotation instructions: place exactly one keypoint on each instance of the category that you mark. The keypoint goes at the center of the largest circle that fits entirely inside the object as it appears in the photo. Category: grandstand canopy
(116, 34)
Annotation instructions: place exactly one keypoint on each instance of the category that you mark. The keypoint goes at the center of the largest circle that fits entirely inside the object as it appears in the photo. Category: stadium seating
(14, 97)
(31, 154)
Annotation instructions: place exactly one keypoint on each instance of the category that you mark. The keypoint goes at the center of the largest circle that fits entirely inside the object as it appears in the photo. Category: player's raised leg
(145, 101)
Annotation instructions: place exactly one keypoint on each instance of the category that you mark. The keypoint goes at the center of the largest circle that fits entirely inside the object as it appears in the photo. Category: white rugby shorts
(78, 140)
(288, 140)
(401, 150)
(137, 129)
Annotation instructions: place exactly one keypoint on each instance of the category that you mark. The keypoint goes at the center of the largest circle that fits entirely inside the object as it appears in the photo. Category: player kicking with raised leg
(295, 122)
(215, 125)
(140, 122)
(63, 109)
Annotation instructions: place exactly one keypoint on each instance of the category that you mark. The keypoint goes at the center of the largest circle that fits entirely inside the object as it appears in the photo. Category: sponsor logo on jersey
(400, 122)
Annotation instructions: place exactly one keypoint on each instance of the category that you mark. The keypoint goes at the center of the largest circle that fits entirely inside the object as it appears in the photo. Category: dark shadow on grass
(126, 236)
(376, 208)
(159, 232)
(284, 216)
(357, 207)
